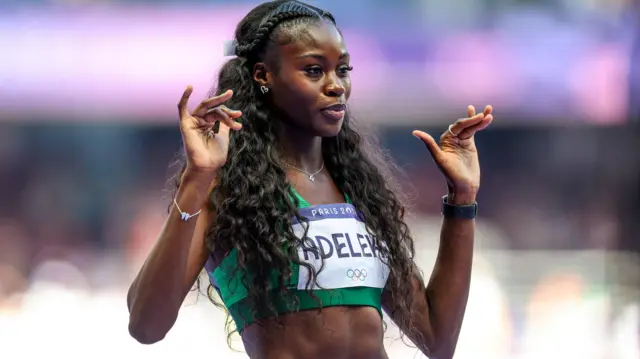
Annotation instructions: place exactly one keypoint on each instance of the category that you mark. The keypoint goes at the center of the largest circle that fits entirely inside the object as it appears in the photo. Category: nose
(334, 87)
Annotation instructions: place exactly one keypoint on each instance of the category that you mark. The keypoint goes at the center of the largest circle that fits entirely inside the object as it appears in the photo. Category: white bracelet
(184, 215)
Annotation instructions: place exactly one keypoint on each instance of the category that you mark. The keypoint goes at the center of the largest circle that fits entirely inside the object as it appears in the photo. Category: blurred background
(88, 126)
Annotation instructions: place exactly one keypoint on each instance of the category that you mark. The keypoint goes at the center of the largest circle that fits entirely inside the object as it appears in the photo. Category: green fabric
(243, 314)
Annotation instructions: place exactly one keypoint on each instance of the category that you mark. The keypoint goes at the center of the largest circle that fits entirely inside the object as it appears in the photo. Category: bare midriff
(333, 332)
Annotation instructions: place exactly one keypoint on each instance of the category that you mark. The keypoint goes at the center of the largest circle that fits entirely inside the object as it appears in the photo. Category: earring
(264, 89)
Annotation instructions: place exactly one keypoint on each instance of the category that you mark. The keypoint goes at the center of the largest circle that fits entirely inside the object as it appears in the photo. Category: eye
(345, 69)
(313, 71)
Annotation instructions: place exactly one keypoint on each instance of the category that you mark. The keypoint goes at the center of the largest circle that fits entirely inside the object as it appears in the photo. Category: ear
(261, 74)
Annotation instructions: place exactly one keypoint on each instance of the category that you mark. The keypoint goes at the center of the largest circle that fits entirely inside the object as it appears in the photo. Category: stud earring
(264, 89)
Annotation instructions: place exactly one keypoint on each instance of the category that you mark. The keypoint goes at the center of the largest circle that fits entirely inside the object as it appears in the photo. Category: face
(311, 84)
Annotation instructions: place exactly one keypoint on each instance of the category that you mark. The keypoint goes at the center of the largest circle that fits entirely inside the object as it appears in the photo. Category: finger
(224, 128)
(234, 125)
(488, 110)
(471, 131)
(429, 142)
(471, 111)
(184, 100)
(203, 112)
(212, 102)
(214, 114)
(218, 114)
(231, 113)
(463, 123)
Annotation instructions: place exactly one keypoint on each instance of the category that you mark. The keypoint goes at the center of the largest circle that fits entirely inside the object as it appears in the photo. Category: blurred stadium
(88, 127)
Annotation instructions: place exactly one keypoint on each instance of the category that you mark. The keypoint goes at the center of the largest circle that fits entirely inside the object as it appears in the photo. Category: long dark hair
(253, 199)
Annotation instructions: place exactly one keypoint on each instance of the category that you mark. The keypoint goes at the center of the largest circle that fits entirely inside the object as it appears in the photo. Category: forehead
(321, 37)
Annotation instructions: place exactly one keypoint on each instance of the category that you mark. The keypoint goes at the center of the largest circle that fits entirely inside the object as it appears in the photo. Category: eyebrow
(343, 56)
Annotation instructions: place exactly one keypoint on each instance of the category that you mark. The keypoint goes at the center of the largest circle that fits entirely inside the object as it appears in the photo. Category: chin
(327, 128)
(329, 131)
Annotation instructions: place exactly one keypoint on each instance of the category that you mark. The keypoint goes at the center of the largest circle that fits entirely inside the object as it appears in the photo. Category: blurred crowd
(77, 192)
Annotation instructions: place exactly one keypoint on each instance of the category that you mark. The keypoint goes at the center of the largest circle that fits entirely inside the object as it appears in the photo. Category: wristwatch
(465, 212)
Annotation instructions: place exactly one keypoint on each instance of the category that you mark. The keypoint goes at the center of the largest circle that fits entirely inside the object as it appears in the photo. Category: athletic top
(353, 274)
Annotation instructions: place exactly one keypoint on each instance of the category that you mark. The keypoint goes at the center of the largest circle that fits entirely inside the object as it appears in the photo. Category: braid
(287, 11)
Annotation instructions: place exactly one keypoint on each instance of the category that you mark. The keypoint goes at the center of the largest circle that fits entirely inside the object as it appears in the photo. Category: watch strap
(466, 211)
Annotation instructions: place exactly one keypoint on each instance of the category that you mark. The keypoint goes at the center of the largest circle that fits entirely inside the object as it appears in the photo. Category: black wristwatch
(466, 212)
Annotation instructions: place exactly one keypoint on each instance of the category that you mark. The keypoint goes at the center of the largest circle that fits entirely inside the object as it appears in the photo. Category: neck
(300, 149)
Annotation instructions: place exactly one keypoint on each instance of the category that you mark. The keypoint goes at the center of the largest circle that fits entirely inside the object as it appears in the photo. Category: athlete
(293, 214)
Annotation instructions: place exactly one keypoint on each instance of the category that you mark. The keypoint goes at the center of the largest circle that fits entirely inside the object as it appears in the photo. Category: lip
(335, 112)
(337, 107)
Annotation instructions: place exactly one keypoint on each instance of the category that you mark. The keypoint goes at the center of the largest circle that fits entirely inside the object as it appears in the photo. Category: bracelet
(184, 215)
(465, 212)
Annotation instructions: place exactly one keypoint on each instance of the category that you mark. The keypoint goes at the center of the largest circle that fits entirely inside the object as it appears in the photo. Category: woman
(280, 202)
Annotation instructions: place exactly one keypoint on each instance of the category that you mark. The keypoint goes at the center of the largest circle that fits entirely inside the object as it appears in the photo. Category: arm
(172, 267)
(441, 305)
(175, 262)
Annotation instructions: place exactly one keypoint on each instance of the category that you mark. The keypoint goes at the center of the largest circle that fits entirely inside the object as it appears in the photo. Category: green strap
(305, 204)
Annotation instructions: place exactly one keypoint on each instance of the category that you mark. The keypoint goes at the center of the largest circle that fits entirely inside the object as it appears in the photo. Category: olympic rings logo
(357, 274)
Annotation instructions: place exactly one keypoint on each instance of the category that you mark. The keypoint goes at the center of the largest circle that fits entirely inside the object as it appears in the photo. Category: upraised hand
(456, 154)
(207, 144)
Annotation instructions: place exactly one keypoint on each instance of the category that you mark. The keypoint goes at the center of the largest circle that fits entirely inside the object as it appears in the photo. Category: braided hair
(251, 43)
(253, 199)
